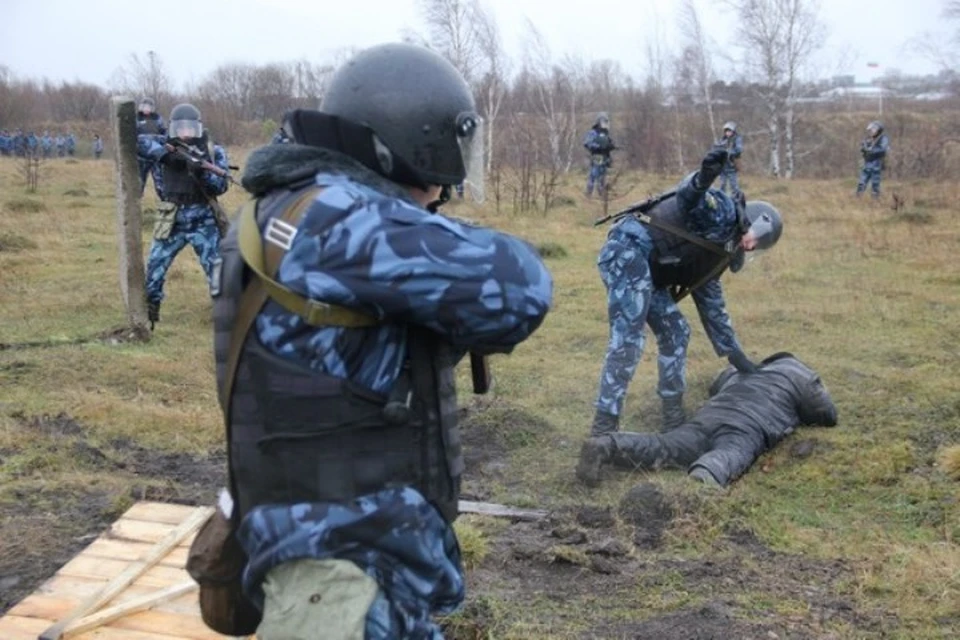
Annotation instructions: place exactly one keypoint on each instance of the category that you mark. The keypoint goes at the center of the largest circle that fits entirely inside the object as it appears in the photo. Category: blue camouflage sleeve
(589, 140)
(212, 183)
(713, 315)
(737, 146)
(161, 125)
(478, 288)
(150, 147)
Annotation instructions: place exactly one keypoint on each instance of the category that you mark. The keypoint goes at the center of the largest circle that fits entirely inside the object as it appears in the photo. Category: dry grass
(867, 296)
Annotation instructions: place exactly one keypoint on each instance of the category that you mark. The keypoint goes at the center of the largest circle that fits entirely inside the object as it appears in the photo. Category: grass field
(858, 539)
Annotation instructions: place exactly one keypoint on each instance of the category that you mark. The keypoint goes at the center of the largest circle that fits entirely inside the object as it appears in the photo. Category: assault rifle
(194, 156)
(639, 209)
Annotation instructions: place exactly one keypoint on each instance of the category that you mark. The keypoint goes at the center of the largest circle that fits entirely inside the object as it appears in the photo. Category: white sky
(88, 39)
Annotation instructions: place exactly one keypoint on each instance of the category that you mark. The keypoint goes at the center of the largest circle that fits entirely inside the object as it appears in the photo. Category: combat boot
(153, 312)
(604, 423)
(594, 453)
(671, 413)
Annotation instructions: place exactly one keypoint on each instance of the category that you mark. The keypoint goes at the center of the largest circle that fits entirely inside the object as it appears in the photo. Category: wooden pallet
(111, 556)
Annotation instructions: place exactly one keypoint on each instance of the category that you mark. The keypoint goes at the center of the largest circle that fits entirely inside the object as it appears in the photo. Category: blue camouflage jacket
(479, 289)
(151, 150)
(875, 153)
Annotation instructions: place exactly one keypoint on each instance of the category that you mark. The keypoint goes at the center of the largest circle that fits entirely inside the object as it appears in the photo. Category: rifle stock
(480, 372)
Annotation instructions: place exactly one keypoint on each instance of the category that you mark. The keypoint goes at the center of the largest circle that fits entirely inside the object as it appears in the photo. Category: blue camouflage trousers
(632, 303)
(598, 176)
(203, 237)
(395, 536)
(729, 177)
(870, 175)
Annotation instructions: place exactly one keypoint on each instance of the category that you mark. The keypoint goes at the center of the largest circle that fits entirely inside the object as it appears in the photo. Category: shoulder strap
(683, 233)
(264, 259)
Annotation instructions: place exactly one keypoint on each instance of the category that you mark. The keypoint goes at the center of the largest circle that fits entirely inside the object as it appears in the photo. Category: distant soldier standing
(874, 151)
(149, 122)
(733, 144)
(97, 146)
(599, 143)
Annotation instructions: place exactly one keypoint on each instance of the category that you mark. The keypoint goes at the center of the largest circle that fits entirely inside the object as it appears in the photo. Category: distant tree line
(538, 107)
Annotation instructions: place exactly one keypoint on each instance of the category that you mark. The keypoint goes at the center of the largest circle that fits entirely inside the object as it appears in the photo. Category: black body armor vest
(297, 435)
(148, 124)
(676, 261)
(180, 184)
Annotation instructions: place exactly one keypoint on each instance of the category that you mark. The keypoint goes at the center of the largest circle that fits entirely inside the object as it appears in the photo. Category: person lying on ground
(746, 415)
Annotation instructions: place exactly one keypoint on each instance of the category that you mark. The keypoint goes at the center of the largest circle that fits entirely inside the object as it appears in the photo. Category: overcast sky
(89, 39)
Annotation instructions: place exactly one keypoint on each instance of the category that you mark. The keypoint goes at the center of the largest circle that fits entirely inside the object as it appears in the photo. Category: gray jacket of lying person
(746, 415)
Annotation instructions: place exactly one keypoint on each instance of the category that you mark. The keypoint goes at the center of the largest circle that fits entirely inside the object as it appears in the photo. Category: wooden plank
(499, 510)
(13, 627)
(160, 575)
(161, 512)
(110, 614)
(133, 571)
(129, 551)
(137, 531)
(70, 591)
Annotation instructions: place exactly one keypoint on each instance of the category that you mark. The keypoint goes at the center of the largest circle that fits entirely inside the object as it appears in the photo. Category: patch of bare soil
(43, 522)
(591, 561)
(489, 430)
(41, 530)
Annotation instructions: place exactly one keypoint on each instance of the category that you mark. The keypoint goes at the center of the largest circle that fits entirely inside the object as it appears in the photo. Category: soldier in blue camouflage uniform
(189, 191)
(5, 142)
(733, 143)
(874, 151)
(149, 122)
(647, 266)
(344, 450)
(746, 415)
(46, 143)
(599, 143)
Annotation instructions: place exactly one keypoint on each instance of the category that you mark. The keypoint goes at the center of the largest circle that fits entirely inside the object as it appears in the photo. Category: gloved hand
(743, 364)
(710, 167)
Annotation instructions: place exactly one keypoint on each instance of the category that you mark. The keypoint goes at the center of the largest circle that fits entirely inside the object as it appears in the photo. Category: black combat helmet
(418, 106)
(765, 222)
(185, 122)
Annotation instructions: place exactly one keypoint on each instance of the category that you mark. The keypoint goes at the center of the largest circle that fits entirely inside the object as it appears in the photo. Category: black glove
(711, 167)
(743, 364)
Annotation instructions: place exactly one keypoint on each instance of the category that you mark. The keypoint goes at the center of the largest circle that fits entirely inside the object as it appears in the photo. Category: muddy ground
(46, 518)
(585, 567)
(592, 567)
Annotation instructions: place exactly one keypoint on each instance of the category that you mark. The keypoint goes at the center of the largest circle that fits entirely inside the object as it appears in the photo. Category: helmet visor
(185, 129)
(470, 138)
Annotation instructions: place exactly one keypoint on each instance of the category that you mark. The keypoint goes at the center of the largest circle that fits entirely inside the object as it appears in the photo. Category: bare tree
(451, 27)
(778, 37)
(553, 97)
(692, 30)
(143, 77)
(491, 87)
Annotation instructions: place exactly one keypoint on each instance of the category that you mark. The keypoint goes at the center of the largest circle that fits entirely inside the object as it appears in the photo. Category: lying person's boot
(702, 475)
(671, 413)
(594, 453)
(604, 423)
